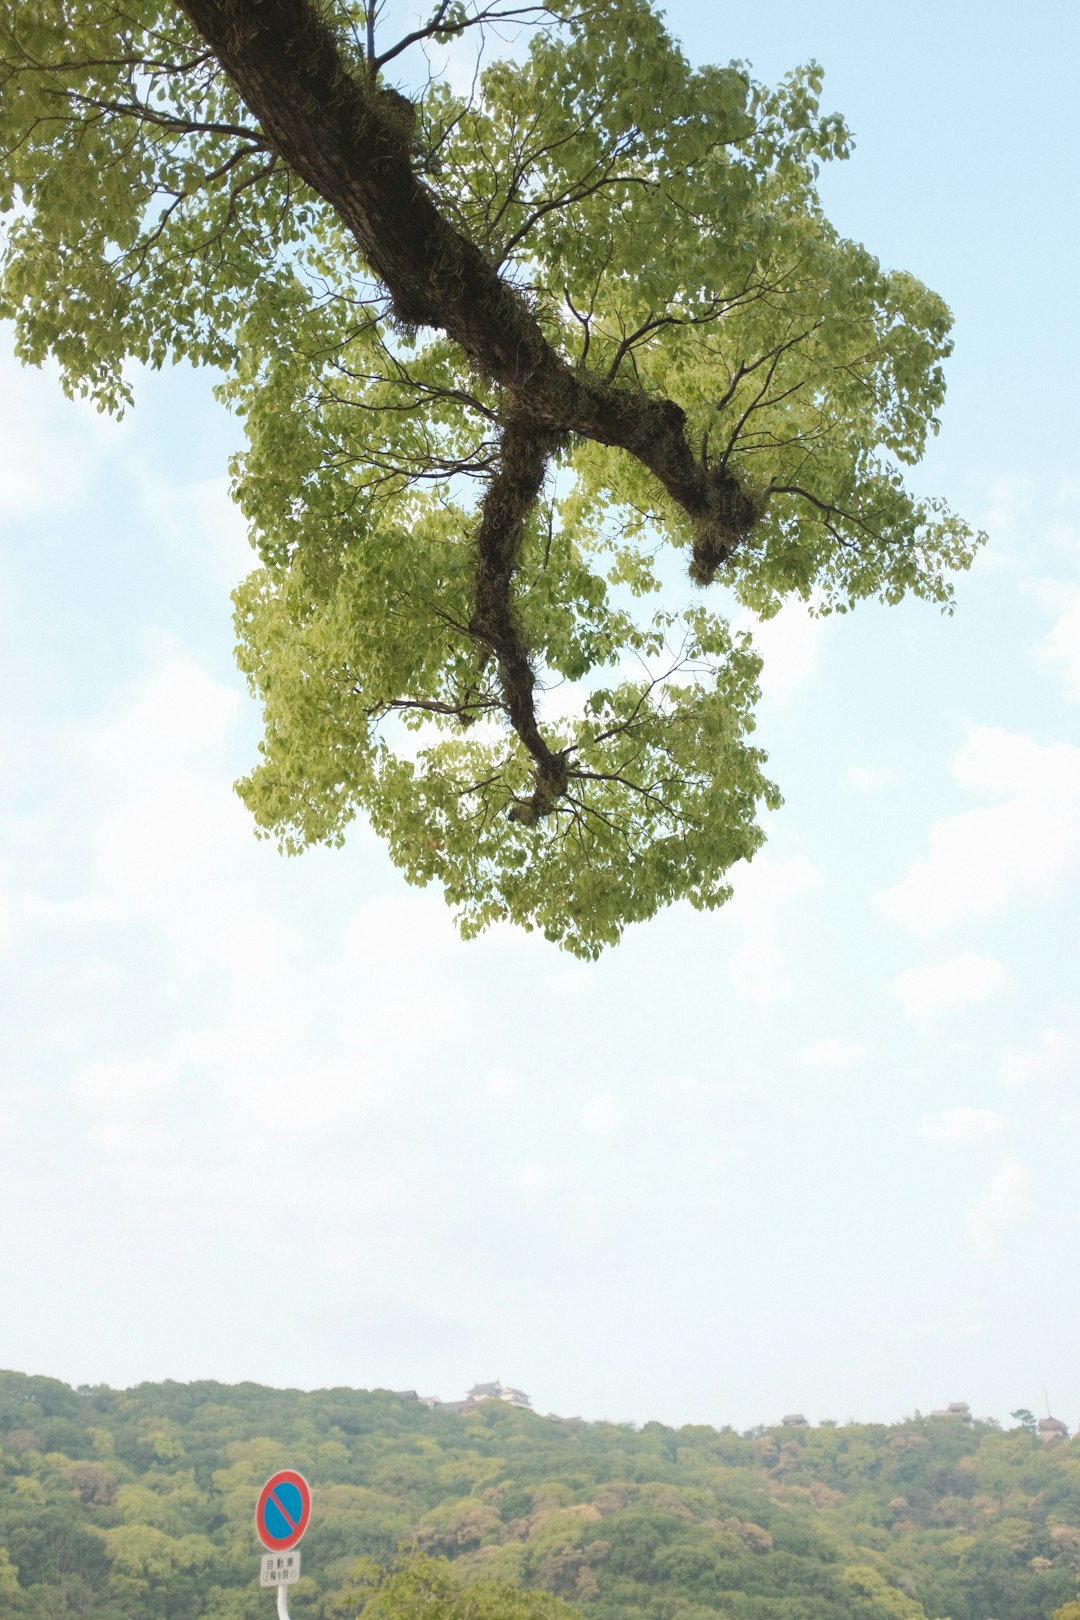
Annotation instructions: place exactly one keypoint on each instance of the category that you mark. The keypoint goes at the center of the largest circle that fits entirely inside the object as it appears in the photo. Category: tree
(421, 1588)
(500, 359)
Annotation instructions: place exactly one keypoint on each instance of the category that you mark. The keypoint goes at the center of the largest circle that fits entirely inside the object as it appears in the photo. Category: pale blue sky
(816, 1152)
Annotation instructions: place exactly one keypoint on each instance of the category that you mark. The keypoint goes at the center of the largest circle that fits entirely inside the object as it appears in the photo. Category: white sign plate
(280, 1569)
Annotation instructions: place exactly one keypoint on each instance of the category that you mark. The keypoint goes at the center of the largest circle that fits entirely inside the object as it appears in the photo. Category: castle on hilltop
(1050, 1430)
(480, 1392)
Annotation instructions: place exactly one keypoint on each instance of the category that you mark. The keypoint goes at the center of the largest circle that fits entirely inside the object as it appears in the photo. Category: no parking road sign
(283, 1511)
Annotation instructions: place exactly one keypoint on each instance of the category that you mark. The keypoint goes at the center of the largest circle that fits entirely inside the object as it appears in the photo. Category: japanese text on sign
(279, 1569)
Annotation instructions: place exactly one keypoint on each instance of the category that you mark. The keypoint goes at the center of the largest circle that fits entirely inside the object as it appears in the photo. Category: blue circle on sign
(283, 1511)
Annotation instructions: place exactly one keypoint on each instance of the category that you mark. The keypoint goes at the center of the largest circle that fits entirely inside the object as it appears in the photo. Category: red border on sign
(286, 1476)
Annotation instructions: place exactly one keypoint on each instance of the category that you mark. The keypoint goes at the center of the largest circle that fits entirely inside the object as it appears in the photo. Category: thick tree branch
(344, 136)
(525, 451)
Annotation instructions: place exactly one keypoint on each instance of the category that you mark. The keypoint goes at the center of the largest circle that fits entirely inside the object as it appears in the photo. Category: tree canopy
(140, 1502)
(502, 358)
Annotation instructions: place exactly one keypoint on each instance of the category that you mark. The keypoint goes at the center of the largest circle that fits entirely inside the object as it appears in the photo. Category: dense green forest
(138, 1505)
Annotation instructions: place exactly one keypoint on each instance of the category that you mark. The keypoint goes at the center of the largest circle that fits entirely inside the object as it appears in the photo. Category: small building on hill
(1050, 1429)
(958, 1411)
(479, 1392)
(499, 1392)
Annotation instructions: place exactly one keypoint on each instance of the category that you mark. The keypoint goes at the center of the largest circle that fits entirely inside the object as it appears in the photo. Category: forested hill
(138, 1505)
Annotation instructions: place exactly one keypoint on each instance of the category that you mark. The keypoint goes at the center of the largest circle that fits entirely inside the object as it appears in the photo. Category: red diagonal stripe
(283, 1510)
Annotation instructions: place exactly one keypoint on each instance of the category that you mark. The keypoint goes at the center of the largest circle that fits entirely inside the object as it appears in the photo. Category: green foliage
(663, 225)
(419, 1588)
(502, 1515)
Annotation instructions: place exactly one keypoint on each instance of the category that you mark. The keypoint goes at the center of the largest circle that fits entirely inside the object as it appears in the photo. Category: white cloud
(122, 1088)
(602, 1115)
(938, 986)
(833, 1054)
(1033, 527)
(141, 808)
(14, 1106)
(1064, 531)
(955, 1125)
(537, 1177)
(1059, 649)
(382, 934)
(1029, 528)
(314, 1098)
(758, 972)
(764, 891)
(168, 873)
(502, 1087)
(790, 645)
(25, 913)
(983, 860)
(174, 714)
(123, 1139)
(870, 778)
(575, 981)
(1054, 1054)
(204, 523)
(689, 1088)
(40, 432)
(763, 886)
(1006, 1201)
(1008, 522)
(389, 928)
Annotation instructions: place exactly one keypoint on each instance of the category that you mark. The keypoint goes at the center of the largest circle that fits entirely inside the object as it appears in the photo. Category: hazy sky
(267, 1119)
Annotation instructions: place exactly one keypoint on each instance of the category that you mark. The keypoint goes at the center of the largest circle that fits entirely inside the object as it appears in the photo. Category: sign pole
(281, 1517)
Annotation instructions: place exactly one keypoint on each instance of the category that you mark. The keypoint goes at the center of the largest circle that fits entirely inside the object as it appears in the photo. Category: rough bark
(525, 451)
